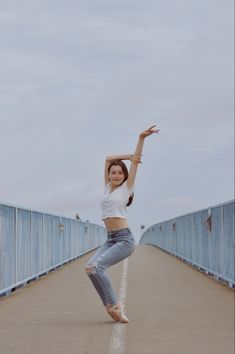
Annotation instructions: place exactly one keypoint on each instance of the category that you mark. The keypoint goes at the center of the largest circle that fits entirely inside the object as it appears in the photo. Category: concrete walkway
(172, 307)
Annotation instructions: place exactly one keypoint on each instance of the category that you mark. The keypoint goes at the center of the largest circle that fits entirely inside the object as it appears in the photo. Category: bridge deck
(173, 308)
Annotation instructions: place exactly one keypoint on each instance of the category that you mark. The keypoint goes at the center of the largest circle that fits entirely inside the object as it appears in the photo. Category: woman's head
(118, 174)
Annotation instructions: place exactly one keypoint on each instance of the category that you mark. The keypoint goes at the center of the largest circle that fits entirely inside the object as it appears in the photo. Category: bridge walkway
(173, 309)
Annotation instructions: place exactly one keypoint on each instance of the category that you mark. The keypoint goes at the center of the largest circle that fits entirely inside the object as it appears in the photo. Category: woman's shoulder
(125, 186)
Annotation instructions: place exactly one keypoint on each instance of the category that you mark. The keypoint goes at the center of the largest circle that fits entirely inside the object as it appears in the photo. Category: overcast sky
(81, 79)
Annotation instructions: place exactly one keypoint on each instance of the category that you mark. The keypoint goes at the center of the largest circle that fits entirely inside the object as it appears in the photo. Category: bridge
(177, 287)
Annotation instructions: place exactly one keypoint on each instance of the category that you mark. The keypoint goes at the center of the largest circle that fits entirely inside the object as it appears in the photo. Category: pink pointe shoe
(115, 311)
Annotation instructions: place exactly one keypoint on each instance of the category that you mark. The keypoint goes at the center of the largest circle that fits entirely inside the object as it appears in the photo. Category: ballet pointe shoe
(115, 311)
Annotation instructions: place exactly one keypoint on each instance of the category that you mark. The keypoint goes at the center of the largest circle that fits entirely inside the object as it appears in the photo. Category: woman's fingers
(151, 127)
(137, 160)
(149, 131)
(152, 130)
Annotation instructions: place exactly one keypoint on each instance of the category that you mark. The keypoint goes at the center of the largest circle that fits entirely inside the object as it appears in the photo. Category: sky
(81, 80)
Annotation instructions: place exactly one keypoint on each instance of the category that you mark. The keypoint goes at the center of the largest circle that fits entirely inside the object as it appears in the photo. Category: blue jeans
(119, 245)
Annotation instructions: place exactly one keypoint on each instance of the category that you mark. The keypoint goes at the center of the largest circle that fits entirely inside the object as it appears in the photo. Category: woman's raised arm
(137, 155)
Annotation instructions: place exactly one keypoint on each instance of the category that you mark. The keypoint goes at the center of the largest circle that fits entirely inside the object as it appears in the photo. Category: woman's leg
(110, 253)
(89, 268)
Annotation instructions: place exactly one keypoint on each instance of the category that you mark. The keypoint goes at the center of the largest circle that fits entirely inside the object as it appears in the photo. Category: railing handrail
(192, 212)
(33, 242)
(204, 238)
(45, 212)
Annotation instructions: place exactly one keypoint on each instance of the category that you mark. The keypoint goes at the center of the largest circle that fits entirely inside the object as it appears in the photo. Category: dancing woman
(120, 243)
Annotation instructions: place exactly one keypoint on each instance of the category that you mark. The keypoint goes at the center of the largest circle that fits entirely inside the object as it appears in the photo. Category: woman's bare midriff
(115, 223)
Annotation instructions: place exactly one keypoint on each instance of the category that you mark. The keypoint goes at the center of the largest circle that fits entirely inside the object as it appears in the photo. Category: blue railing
(33, 243)
(204, 239)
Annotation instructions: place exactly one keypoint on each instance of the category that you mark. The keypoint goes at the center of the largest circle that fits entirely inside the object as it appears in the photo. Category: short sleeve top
(113, 204)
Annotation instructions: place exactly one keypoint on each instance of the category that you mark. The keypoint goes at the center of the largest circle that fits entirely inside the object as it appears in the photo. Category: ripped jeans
(119, 245)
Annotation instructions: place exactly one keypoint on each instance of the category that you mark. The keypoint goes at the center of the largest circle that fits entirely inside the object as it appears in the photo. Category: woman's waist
(115, 223)
(120, 233)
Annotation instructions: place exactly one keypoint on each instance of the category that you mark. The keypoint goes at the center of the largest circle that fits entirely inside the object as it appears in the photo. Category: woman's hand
(132, 158)
(149, 131)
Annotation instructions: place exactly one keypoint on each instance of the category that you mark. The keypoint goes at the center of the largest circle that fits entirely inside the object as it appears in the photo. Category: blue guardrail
(33, 243)
(204, 239)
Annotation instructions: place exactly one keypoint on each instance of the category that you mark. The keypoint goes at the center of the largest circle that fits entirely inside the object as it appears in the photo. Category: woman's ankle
(113, 305)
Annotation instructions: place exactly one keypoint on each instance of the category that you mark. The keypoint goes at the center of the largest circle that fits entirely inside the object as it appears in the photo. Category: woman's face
(116, 175)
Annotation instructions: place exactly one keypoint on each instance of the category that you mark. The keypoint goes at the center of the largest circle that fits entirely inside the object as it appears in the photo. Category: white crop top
(113, 204)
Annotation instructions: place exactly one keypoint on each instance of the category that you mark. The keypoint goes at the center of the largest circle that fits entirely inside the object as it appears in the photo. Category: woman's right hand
(149, 132)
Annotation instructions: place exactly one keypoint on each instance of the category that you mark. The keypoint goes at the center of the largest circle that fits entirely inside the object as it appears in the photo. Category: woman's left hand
(138, 160)
(149, 131)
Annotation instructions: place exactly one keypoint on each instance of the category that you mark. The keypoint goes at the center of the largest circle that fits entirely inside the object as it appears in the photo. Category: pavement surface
(172, 307)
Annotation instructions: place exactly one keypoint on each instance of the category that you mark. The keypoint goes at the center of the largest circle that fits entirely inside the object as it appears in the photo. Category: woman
(120, 243)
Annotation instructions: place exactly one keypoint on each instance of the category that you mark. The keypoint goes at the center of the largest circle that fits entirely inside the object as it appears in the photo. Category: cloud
(81, 80)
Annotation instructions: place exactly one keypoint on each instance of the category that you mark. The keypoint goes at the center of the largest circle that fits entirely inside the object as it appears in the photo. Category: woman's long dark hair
(126, 174)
